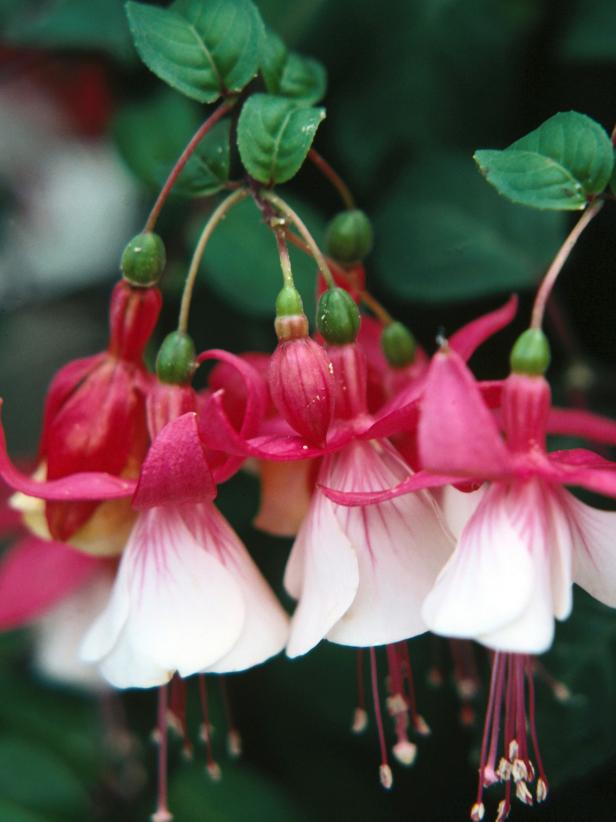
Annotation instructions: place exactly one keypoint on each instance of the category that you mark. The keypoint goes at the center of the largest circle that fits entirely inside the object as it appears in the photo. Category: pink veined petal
(322, 572)
(584, 424)
(400, 545)
(457, 432)
(396, 416)
(594, 562)
(185, 608)
(175, 469)
(91, 485)
(468, 338)
(489, 579)
(266, 625)
(414, 482)
(35, 575)
(58, 634)
(581, 468)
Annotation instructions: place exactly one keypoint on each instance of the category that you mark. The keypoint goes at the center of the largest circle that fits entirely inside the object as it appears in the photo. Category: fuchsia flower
(359, 576)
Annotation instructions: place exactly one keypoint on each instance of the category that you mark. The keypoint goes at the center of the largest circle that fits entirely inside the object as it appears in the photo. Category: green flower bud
(175, 362)
(289, 302)
(349, 237)
(338, 317)
(531, 353)
(143, 260)
(398, 345)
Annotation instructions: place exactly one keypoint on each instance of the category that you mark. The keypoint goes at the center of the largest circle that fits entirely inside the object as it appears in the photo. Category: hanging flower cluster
(419, 498)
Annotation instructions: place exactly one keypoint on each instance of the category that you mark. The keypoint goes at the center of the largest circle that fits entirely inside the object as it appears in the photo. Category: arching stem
(184, 157)
(560, 259)
(334, 178)
(285, 209)
(218, 215)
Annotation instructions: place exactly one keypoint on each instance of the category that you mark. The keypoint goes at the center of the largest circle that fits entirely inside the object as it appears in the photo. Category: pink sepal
(393, 421)
(581, 424)
(468, 339)
(35, 575)
(91, 485)
(176, 469)
(457, 432)
(415, 482)
(255, 409)
(582, 468)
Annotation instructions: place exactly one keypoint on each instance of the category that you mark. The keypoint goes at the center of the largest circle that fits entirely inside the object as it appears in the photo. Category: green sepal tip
(398, 345)
(175, 362)
(338, 317)
(143, 260)
(530, 354)
(349, 237)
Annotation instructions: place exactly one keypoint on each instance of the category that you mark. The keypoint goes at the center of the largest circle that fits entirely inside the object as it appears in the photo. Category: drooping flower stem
(334, 178)
(560, 259)
(286, 210)
(218, 214)
(379, 311)
(184, 157)
(285, 260)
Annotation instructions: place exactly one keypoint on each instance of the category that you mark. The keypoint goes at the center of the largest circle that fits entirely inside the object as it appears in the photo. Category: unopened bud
(349, 236)
(531, 353)
(398, 345)
(386, 777)
(143, 260)
(175, 362)
(405, 752)
(289, 302)
(360, 721)
(302, 387)
(477, 812)
(338, 317)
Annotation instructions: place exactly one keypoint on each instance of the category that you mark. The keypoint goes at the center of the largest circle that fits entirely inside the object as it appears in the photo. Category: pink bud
(302, 386)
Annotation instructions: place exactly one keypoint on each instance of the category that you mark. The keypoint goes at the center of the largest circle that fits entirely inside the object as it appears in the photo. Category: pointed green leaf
(152, 135)
(557, 166)
(274, 136)
(290, 74)
(203, 49)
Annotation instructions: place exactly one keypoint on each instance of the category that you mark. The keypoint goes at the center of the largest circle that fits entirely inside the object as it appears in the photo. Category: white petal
(457, 506)
(560, 549)
(59, 633)
(594, 535)
(108, 626)
(401, 545)
(322, 569)
(266, 625)
(127, 667)
(488, 581)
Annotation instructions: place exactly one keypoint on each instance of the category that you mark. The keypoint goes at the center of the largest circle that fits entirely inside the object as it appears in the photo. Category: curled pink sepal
(585, 424)
(90, 485)
(254, 411)
(468, 339)
(414, 482)
(219, 434)
(176, 468)
(583, 468)
(36, 574)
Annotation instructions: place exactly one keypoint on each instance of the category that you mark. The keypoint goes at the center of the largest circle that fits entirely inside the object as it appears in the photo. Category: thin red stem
(377, 706)
(162, 812)
(560, 259)
(334, 178)
(184, 157)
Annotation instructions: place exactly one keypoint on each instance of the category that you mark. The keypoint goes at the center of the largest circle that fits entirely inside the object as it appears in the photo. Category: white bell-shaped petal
(594, 539)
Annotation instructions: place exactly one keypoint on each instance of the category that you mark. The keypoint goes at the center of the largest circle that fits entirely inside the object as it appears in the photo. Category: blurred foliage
(415, 87)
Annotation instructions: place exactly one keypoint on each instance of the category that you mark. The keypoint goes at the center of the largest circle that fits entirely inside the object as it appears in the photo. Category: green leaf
(443, 235)
(241, 262)
(202, 49)
(290, 74)
(274, 136)
(63, 24)
(557, 166)
(152, 135)
(35, 777)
